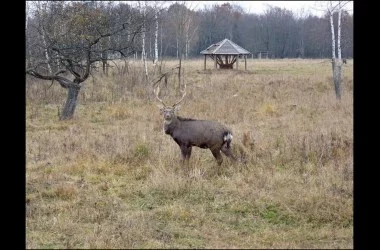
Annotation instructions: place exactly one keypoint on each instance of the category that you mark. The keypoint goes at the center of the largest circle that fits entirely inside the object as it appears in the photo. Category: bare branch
(65, 83)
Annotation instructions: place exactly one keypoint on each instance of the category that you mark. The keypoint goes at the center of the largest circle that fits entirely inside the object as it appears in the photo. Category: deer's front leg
(216, 153)
(186, 153)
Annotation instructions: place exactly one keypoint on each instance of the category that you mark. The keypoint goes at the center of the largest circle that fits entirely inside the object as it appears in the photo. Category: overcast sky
(258, 7)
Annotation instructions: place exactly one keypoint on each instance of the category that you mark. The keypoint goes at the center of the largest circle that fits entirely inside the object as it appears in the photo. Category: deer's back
(199, 133)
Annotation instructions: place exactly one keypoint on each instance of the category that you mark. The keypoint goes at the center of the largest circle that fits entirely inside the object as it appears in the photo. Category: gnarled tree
(73, 35)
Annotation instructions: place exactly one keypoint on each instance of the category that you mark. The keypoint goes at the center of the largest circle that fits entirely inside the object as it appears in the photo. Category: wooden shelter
(225, 53)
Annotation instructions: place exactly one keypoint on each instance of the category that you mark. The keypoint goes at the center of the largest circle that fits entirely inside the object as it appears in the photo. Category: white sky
(258, 7)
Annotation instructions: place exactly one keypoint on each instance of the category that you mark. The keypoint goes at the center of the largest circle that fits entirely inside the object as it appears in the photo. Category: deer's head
(169, 112)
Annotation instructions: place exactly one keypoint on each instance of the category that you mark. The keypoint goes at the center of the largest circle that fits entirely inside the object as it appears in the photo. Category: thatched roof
(225, 47)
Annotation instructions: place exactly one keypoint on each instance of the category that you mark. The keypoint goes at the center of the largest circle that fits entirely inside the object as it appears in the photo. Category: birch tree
(28, 63)
(336, 64)
(155, 36)
(41, 12)
(335, 7)
(143, 35)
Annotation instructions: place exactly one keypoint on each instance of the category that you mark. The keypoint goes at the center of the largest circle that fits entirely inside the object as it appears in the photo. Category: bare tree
(181, 21)
(332, 8)
(156, 12)
(41, 9)
(143, 35)
(26, 34)
(73, 34)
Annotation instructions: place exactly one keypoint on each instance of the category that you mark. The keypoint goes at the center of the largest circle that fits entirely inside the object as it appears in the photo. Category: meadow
(111, 178)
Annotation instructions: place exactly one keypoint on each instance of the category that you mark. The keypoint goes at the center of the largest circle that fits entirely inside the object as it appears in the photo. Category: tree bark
(336, 63)
(43, 39)
(161, 41)
(339, 28)
(71, 103)
(337, 75)
(155, 39)
(143, 53)
(26, 35)
(332, 36)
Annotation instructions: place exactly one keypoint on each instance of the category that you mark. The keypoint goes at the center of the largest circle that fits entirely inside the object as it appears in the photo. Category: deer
(189, 132)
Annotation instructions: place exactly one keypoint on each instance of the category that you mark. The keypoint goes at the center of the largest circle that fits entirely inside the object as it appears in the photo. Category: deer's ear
(176, 108)
(162, 110)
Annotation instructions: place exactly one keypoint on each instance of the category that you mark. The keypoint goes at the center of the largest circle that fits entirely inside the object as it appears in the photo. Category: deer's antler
(156, 93)
(183, 96)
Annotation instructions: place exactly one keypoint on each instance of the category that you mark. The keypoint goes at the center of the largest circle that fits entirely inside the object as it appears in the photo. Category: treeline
(180, 30)
(278, 31)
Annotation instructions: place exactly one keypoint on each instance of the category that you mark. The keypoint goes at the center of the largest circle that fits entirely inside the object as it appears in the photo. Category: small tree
(72, 36)
(335, 7)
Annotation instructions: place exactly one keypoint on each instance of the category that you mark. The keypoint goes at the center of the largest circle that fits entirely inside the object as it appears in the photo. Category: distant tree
(280, 25)
(181, 22)
(143, 35)
(71, 33)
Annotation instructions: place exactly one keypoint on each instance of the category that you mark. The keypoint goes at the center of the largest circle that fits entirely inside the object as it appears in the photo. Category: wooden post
(205, 63)
(237, 62)
(245, 61)
(215, 62)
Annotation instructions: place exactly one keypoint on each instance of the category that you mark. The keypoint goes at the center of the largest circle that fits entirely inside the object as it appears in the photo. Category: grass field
(111, 178)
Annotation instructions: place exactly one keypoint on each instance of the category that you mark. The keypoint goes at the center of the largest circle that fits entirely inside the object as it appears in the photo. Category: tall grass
(110, 178)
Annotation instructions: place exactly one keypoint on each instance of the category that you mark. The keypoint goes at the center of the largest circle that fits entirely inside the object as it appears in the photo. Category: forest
(178, 29)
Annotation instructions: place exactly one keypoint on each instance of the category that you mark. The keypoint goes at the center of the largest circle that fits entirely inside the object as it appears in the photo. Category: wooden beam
(237, 62)
(219, 60)
(245, 61)
(205, 63)
(233, 60)
(215, 61)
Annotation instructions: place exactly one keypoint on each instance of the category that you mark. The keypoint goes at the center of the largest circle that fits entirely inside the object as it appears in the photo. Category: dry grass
(110, 178)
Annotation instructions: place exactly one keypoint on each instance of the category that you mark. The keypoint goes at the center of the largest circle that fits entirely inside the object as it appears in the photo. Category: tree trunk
(143, 37)
(332, 36)
(339, 28)
(143, 53)
(26, 36)
(71, 103)
(177, 48)
(161, 42)
(179, 71)
(155, 39)
(336, 63)
(44, 40)
(104, 63)
(187, 46)
(337, 74)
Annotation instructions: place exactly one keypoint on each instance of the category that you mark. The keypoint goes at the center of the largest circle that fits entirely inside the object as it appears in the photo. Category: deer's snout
(167, 116)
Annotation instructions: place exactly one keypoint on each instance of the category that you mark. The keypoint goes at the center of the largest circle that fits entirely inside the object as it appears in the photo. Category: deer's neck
(169, 126)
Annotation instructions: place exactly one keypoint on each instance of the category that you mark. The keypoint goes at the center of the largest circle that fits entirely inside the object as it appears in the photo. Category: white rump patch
(228, 137)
